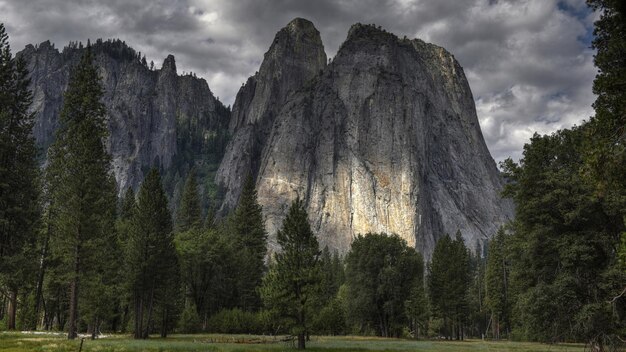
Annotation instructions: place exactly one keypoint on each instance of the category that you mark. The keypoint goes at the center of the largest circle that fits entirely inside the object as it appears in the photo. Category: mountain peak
(303, 33)
(169, 63)
(369, 31)
(299, 24)
(295, 56)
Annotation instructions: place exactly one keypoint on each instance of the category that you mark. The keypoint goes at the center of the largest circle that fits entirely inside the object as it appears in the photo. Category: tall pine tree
(189, 214)
(448, 284)
(19, 187)
(195, 247)
(82, 186)
(126, 213)
(251, 240)
(496, 283)
(606, 143)
(151, 256)
(291, 284)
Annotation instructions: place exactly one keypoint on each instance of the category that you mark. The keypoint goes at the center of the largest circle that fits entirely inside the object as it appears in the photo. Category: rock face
(155, 116)
(383, 139)
(295, 57)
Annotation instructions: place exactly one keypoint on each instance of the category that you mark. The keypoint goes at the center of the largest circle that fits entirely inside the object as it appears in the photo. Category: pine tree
(151, 255)
(448, 284)
(327, 287)
(19, 186)
(606, 143)
(82, 186)
(123, 227)
(290, 286)
(250, 236)
(605, 150)
(477, 320)
(380, 273)
(189, 213)
(195, 247)
(417, 305)
(496, 282)
(338, 270)
(128, 206)
(330, 319)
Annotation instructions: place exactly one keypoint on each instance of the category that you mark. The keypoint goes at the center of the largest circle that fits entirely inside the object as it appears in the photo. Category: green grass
(22, 342)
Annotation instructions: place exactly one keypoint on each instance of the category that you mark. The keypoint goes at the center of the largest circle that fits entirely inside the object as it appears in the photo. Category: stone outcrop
(383, 139)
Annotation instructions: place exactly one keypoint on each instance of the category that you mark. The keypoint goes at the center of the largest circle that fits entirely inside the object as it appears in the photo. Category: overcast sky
(528, 61)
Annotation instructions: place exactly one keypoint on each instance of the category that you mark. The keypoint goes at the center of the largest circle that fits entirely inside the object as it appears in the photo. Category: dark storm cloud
(527, 61)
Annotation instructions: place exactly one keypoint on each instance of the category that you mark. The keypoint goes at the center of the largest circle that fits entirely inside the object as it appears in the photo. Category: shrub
(189, 321)
(235, 321)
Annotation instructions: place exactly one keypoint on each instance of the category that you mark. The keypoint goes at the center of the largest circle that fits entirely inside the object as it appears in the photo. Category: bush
(189, 321)
(435, 325)
(330, 320)
(237, 321)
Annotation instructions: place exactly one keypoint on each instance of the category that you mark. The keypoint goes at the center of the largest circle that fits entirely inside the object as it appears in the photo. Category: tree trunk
(164, 324)
(417, 330)
(42, 270)
(497, 328)
(301, 341)
(146, 333)
(72, 328)
(138, 333)
(59, 310)
(12, 309)
(94, 329)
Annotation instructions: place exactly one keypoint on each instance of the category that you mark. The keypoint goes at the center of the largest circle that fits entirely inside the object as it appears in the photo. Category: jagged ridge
(155, 116)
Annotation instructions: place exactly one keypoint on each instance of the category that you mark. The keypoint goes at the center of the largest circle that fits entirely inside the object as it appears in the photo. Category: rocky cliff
(156, 117)
(295, 57)
(385, 138)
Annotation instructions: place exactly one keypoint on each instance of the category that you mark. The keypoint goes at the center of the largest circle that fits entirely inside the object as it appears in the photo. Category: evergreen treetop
(189, 213)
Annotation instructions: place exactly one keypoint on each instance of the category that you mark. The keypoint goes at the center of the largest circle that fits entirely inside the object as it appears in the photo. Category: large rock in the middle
(383, 139)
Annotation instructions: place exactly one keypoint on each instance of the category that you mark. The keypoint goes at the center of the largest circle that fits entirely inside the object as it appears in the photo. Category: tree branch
(617, 297)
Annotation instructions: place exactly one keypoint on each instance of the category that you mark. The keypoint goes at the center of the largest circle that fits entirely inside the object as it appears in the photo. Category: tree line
(75, 258)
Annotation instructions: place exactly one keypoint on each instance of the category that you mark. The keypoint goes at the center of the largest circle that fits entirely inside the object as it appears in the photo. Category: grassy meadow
(22, 342)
